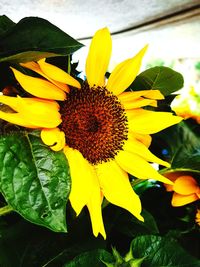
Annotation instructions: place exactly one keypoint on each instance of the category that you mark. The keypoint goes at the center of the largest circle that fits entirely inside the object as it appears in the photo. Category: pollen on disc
(94, 123)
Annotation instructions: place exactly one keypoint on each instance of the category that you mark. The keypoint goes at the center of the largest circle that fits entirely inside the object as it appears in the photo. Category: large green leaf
(5, 24)
(33, 38)
(161, 251)
(34, 180)
(159, 78)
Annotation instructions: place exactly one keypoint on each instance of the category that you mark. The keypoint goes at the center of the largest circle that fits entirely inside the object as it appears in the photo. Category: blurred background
(171, 28)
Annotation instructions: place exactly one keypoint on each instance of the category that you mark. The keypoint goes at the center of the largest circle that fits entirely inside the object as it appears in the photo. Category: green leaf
(34, 180)
(33, 38)
(158, 78)
(91, 259)
(184, 148)
(161, 251)
(5, 24)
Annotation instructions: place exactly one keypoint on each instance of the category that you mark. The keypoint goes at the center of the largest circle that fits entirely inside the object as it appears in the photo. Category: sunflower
(103, 130)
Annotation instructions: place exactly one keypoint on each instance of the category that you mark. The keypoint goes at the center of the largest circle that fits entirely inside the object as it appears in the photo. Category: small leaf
(136, 262)
(33, 38)
(34, 180)
(161, 251)
(158, 78)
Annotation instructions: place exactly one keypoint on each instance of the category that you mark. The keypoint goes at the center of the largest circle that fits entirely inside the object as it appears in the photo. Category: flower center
(94, 123)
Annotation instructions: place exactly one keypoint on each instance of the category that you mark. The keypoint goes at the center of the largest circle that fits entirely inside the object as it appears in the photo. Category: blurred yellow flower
(185, 187)
(104, 131)
(197, 219)
(187, 105)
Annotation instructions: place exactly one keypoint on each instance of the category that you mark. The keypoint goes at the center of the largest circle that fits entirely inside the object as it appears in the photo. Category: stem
(4, 210)
(69, 65)
(136, 182)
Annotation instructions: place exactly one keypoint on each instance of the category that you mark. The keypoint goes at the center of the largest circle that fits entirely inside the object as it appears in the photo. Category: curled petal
(57, 74)
(98, 58)
(35, 67)
(53, 138)
(124, 73)
(39, 87)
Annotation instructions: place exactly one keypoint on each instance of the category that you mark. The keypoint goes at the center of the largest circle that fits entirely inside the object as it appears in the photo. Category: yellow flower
(186, 105)
(185, 187)
(104, 131)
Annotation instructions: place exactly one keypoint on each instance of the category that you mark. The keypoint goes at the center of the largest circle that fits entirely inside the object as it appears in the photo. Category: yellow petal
(54, 138)
(138, 167)
(140, 149)
(57, 74)
(154, 94)
(84, 179)
(85, 189)
(136, 99)
(94, 207)
(98, 58)
(39, 113)
(144, 138)
(149, 122)
(48, 104)
(33, 112)
(186, 185)
(38, 105)
(140, 102)
(124, 73)
(131, 96)
(117, 189)
(16, 118)
(35, 67)
(181, 200)
(39, 87)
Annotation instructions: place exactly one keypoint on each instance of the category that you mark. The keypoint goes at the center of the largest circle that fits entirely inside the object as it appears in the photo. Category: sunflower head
(94, 123)
(103, 129)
